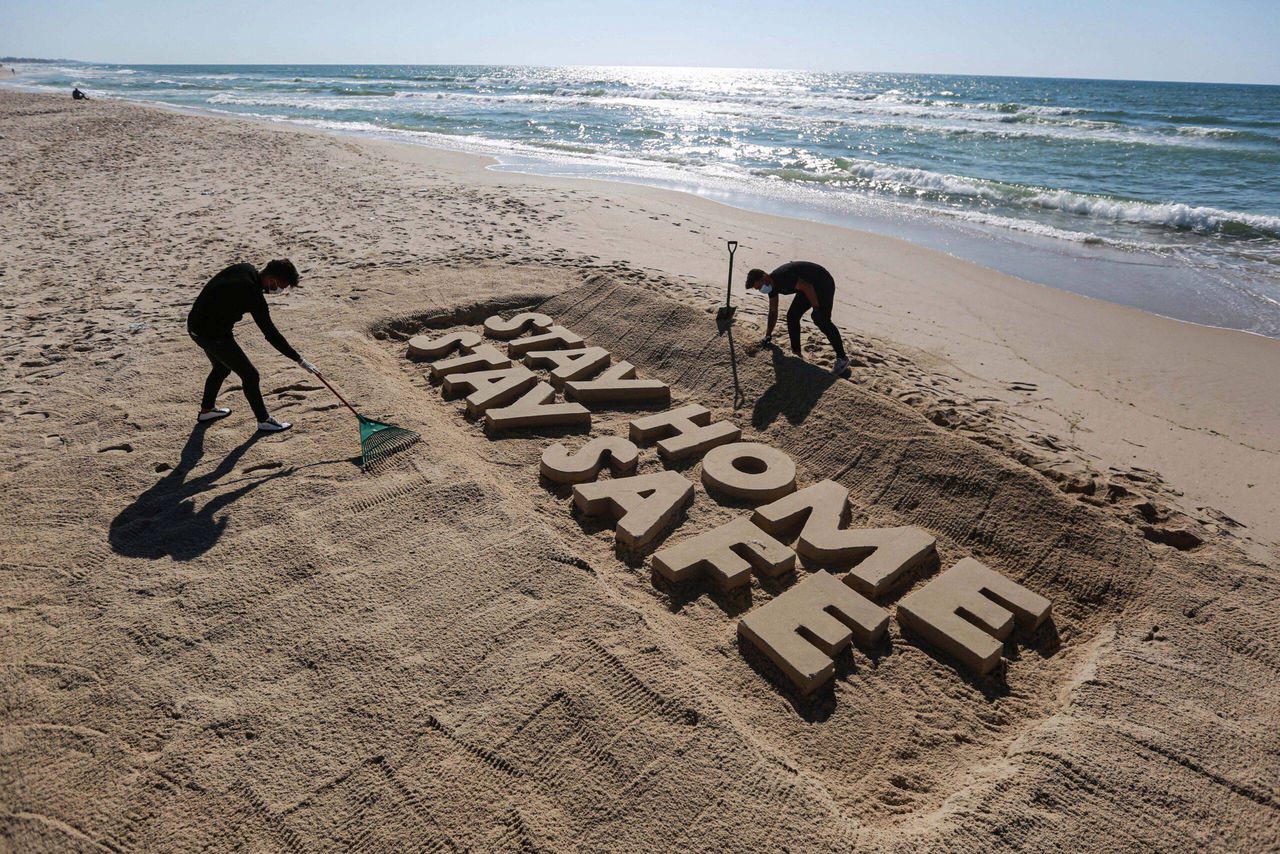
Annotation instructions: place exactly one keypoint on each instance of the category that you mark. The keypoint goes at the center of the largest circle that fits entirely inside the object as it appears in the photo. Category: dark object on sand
(378, 440)
(78, 95)
(726, 310)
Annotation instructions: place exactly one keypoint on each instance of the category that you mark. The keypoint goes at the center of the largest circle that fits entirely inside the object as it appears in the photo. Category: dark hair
(283, 270)
(754, 276)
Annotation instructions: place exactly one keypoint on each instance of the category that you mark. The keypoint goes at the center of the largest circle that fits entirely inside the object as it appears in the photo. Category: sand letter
(569, 364)
(726, 554)
(535, 409)
(890, 553)
(948, 611)
(555, 338)
(749, 470)
(485, 357)
(426, 347)
(618, 385)
(503, 330)
(490, 388)
(643, 505)
(684, 432)
(806, 627)
(562, 467)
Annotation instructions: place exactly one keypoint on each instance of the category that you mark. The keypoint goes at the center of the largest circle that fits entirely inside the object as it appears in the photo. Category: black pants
(225, 356)
(826, 295)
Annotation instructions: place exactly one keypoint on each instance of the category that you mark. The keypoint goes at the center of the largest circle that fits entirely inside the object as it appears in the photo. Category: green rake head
(378, 441)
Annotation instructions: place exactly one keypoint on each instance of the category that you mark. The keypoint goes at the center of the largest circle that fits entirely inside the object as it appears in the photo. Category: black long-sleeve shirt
(226, 298)
(785, 277)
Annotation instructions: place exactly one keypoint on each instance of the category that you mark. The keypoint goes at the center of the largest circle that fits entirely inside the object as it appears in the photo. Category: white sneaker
(214, 414)
(271, 425)
(840, 366)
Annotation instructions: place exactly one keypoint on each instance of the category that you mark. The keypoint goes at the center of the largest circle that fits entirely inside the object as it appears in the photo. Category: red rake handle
(335, 394)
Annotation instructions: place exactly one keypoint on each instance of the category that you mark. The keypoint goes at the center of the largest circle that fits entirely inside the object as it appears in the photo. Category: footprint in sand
(122, 448)
(262, 467)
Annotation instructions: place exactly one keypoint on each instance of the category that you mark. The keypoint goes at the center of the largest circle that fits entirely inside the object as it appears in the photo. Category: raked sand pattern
(218, 643)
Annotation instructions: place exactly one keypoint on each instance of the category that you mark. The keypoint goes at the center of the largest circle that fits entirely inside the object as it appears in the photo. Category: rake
(378, 440)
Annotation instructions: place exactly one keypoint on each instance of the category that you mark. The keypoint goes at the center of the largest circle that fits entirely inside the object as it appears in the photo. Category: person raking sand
(223, 301)
(814, 288)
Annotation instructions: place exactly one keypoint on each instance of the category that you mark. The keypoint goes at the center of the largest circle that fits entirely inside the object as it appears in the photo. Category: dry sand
(218, 643)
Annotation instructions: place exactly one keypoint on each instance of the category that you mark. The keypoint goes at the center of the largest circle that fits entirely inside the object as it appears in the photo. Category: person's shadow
(797, 387)
(163, 520)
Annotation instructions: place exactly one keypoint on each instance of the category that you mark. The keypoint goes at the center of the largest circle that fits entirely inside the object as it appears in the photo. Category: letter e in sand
(968, 610)
(802, 630)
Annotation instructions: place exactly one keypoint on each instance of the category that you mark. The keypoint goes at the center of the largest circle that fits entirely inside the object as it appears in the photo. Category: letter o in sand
(749, 470)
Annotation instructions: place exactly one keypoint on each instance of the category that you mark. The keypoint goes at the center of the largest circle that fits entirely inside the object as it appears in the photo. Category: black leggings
(821, 317)
(226, 356)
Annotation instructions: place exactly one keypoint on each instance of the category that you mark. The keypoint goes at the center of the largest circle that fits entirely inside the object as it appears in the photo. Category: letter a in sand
(643, 505)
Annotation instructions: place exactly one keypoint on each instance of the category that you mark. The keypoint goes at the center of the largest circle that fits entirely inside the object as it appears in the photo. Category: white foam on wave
(1169, 215)
(905, 180)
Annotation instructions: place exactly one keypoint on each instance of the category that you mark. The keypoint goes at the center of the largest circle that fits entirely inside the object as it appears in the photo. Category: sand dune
(221, 642)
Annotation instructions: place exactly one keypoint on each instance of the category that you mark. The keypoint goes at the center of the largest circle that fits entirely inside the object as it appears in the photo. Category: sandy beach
(214, 641)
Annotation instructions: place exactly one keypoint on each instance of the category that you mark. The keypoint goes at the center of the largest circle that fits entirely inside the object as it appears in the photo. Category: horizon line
(35, 60)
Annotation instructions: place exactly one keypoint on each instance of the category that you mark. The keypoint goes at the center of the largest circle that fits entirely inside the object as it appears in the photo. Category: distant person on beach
(813, 288)
(224, 300)
(78, 95)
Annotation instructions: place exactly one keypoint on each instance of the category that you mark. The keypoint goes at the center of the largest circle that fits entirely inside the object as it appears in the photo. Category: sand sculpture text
(967, 611)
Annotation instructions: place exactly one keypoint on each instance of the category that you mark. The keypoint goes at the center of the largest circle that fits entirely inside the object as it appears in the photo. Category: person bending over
(814, 289)
(224, 300)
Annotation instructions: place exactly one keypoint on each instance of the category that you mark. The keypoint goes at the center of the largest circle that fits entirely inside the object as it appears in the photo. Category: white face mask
(766, 289)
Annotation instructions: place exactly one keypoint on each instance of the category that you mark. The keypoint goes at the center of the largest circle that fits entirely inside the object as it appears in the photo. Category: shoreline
(1155, 279)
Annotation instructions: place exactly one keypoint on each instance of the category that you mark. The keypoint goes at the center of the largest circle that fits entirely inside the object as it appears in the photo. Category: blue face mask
(766, 289)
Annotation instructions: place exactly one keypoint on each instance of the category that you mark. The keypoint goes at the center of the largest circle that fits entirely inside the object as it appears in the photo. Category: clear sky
(1223, 40)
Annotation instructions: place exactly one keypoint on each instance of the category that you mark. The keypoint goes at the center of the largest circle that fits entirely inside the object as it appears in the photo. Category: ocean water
(1165, 196)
